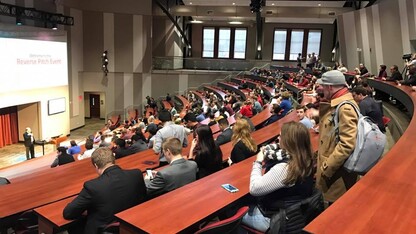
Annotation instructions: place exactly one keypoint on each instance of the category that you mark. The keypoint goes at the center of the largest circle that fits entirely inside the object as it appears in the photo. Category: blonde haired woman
(244, 145)
(288, 176)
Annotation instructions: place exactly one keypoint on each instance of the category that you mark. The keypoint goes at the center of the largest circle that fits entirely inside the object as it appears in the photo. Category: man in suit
(226, 133)
(29, 141)
(62, 158)
(395, 74)
(112, 192)
(179, 172)
(121, 149)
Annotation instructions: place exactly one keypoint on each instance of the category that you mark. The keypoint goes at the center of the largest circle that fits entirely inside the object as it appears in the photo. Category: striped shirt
(261, 185)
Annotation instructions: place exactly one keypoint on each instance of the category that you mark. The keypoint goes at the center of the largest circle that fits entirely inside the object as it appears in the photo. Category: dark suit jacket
(224, 137)
(410, 81)
(112, 192)
(123, 152)
(179, 173)
(395, 76)
(28, 140)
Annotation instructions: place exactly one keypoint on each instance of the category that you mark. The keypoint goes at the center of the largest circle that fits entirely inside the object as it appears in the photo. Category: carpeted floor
(16, 153)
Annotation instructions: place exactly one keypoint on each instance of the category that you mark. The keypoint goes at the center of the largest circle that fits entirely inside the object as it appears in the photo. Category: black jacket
(112, 192)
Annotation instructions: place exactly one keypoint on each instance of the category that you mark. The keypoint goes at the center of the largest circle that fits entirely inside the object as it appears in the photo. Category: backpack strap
(336, 116)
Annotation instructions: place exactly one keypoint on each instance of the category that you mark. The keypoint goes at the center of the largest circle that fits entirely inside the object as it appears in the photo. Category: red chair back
(227, 225)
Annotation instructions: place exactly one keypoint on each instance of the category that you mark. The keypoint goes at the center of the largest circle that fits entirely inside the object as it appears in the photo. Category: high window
(279, 46)
(314, 41)
(208, 43)
(224, 43)
(240, 41)
(296, 44)
(288, 43)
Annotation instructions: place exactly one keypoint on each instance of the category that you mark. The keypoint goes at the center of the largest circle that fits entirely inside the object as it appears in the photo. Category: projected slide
(32, 64)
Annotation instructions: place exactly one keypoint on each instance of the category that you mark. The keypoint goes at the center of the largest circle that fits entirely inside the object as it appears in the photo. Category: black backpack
(294, 217)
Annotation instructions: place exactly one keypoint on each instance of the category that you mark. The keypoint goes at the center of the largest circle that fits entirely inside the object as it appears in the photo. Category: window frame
(320, 41)
(233, 44)
(202, 41)
(216, 42)
(288, 42)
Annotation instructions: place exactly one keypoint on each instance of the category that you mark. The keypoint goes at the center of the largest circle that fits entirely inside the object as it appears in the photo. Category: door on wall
(94, 105)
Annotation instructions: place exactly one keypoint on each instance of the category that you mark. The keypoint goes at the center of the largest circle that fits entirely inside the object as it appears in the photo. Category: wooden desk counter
(244, 93)
(188, 204)
(219, 92)
(50, 217)
(51, 185)
(179, 209)
(384, 200)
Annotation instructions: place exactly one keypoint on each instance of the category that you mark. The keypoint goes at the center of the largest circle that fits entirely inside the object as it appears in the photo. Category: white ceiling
(294, 3)
(275, 11)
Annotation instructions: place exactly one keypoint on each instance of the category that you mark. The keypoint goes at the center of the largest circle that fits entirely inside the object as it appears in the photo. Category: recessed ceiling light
(319, 4)
(190, 3)
(233, 3)
(272, 4)
(235, 22)
(196, 22)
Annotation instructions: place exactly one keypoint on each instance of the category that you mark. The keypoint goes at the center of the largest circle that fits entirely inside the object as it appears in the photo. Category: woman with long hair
(244, 145)
(288, 175)
(205, 152)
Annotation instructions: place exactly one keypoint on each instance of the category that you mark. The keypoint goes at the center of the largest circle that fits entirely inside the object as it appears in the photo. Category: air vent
(331, 13)
(269, 12)
(210, 12)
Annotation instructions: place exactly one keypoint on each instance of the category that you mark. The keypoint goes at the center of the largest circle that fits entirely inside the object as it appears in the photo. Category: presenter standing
(29, 143)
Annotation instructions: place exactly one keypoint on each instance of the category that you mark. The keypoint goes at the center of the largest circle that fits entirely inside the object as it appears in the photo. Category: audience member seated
(257, 107)
(62, 158)
(121, 149)
(173, 111)
(169, 129)
(138, 144)
(243, 144)
(368, 106)
(342, 68)
(212, 120)
(103, 142)
(276, 115)
(191, 122)
(238, 116)
(246, 110)
(382, 73)
(411, 80)
(97, 137)
(363, 71)
(89, 149)
(285, 104)
(303, 119)
(200, 115)
(179, 172)
(205, 152)
(288, 175)
(226, 132)
(112, 192)
(395, 74)
(74, 149)
(111, 125)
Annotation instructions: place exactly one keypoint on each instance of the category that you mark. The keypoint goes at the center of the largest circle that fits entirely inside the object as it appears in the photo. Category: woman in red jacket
(247, 109)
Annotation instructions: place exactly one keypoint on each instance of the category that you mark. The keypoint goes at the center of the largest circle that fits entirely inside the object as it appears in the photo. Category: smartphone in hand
(149, 174)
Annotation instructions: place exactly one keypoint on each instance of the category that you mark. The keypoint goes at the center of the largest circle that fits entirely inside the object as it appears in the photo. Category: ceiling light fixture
(235, 22)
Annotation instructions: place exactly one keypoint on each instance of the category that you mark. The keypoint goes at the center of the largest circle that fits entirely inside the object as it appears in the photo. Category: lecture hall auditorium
(69, 63)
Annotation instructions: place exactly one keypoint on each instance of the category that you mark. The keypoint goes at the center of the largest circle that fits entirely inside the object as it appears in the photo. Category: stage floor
(16, 153)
